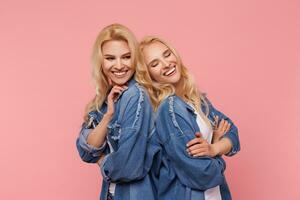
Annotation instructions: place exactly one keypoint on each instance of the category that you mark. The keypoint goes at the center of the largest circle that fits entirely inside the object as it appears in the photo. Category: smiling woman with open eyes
(119, 119)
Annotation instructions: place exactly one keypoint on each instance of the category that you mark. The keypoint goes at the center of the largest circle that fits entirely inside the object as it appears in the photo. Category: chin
(175, 80)
(121, 81)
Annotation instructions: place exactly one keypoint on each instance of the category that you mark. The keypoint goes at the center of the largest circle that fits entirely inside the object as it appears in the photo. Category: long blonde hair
(188, 89)
(115, 32)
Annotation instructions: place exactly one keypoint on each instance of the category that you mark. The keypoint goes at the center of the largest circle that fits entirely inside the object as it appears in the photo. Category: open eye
(127, 57)
(109, 58)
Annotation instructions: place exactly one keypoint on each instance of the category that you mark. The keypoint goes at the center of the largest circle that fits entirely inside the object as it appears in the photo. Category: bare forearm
(97, 137)
(223, 146)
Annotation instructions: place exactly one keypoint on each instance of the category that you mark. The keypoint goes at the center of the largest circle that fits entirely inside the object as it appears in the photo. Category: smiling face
(117, 62)
(162, 63)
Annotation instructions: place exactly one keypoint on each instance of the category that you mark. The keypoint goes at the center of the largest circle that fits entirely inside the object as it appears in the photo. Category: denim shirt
(129, 138)
(175, 173)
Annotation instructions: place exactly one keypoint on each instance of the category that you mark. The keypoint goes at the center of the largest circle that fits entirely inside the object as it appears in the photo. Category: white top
(207, 134)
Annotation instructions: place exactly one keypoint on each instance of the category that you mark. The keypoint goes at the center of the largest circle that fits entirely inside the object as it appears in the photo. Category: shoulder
(205, 103)
(132, 94)
(137, 96)
(204, 98)
(172, 104)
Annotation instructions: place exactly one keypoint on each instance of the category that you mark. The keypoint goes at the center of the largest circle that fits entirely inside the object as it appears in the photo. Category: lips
(120, 74)
(170, 72)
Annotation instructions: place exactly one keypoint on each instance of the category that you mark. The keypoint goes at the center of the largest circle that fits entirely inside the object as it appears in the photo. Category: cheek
(128, 63)
(173, 58)
(155, 75)
(105, 67)
(179, 70)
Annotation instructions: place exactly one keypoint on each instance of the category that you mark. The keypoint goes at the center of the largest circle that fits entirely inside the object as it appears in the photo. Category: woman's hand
(220, 128)
(200, 147)
(112, 98)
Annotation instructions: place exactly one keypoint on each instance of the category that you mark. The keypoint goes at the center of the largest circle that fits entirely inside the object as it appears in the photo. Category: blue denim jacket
(176, 174)
(129, 135)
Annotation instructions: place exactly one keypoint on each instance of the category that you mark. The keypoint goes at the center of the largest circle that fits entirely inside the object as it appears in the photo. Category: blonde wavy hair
(141, 75)
(188, 90)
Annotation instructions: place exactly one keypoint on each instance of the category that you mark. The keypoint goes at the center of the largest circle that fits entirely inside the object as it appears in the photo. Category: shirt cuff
(95, 151)
(235, 145)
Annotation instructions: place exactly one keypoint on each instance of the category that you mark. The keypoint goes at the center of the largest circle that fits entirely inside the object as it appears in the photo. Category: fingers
(198, 134)
(202, 151)
(228, 125)
(198, 146)
(216, 118)
(223, 126)
(115, 92)
(199, 149)
(195, 141)
(109, 82)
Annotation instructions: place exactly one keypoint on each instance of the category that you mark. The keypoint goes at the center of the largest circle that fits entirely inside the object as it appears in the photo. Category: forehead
(115, 47)
(154, 50)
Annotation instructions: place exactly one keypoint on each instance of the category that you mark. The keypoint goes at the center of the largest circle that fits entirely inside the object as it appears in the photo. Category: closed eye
(167, 53)
(154, 64)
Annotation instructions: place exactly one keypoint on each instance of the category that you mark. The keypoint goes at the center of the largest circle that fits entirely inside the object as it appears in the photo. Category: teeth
(169, 72)
(119, 73)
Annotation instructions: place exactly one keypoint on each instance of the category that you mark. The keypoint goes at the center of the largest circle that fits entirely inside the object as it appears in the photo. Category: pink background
(244, 54)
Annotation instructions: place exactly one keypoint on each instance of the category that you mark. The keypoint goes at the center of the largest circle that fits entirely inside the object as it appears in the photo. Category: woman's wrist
(107, 117)
(215, 149)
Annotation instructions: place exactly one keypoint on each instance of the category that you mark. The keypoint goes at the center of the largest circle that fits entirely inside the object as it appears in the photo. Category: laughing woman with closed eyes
(193, 135)
(118, 121)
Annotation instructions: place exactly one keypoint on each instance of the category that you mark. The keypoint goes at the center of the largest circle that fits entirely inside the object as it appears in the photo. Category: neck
(179, 90)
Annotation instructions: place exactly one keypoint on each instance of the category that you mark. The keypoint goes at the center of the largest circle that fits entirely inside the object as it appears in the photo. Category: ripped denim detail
(93, 119)
(114, 131)
(139, 106)
(172, 113)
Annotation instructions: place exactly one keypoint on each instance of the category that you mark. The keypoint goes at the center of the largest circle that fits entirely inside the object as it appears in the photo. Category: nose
(165, 63)
(119, 64)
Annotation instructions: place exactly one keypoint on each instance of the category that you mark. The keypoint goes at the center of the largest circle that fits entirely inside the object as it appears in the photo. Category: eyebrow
(156, 59)
(125, 54)
(108, 55)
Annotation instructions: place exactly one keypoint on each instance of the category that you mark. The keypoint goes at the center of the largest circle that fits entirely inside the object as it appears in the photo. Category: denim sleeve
(128, 162)
(89, 153)
(232, 134)
(195, 172)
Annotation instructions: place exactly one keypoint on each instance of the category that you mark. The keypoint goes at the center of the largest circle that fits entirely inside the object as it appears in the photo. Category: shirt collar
(131, 82)
(187, 105)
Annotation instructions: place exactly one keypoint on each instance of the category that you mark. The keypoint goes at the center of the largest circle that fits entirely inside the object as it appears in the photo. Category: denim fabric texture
(130, 137)
(176, 174)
